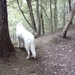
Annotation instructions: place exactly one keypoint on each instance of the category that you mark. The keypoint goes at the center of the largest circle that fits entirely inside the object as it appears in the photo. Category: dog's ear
(16, 22)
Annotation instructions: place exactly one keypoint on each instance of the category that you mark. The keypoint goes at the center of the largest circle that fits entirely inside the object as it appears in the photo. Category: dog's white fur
(25, 36)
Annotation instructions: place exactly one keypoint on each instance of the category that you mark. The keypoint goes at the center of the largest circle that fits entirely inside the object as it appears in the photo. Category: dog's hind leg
(27, 46)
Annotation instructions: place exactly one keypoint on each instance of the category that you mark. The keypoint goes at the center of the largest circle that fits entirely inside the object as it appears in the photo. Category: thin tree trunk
(38, 19)
(42, 23)
(31, 14)
(44, 11)
(70, 7)
(71, 15)
(64, 16)
(55, 15)
(51, 26)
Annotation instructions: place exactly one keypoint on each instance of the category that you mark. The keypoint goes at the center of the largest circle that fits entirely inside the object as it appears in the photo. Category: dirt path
(55, 56)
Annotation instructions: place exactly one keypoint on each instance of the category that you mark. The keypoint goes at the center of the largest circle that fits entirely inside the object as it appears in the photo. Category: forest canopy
(39, 16)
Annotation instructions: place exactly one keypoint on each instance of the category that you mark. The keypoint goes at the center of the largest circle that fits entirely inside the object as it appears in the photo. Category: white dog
(25, 36)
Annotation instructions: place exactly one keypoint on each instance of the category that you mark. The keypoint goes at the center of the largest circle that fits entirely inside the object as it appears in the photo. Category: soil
(55, 56)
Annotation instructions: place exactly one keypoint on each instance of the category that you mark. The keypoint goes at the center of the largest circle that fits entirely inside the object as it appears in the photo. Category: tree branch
(24, 15)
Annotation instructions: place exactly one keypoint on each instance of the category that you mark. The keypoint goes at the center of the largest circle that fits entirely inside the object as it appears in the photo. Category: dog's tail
(33, 49)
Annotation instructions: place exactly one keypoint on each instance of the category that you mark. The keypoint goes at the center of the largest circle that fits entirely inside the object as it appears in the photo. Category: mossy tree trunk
(5, 42)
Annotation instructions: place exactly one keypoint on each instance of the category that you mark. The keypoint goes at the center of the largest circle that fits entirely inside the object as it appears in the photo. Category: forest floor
(55, 56)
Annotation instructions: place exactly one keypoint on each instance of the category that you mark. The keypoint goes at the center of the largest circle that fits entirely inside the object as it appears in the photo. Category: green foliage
(15, 15)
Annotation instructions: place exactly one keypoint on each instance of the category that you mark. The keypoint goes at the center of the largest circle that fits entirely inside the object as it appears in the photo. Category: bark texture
(5, 42)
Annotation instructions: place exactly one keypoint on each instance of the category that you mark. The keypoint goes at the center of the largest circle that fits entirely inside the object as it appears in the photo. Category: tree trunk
(31, 14)
(64, 15)
(69, 1)
(51, 26)
(55, 15)
(5, 42)
(38, 19)
(71, 15)
(46, 16)
(42, 23)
